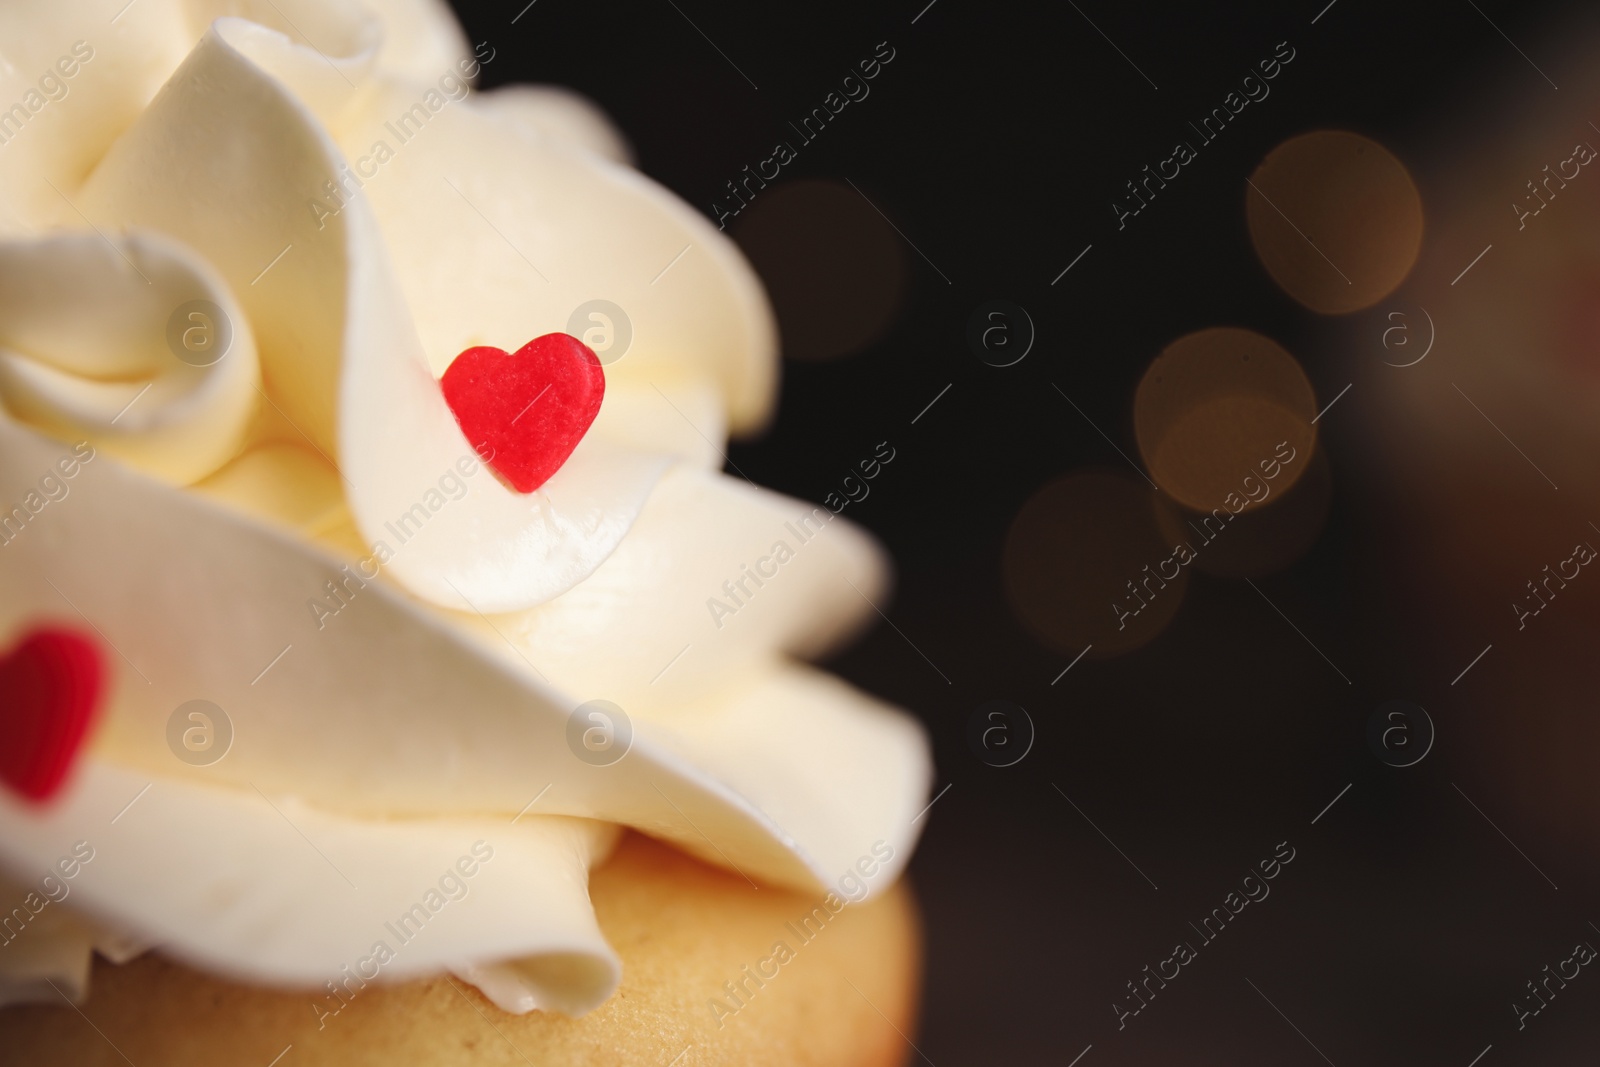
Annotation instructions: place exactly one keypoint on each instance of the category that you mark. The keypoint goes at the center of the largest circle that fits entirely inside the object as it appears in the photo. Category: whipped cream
(372, 752)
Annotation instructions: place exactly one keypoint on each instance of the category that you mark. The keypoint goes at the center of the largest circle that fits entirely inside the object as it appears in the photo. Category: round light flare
(1080, 565)
(1265, 540)
(1220, 406)
(834, 268)
(1336, 220)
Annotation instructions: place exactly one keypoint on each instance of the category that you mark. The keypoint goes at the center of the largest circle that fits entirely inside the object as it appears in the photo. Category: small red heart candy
(50, 690)
(525, 412)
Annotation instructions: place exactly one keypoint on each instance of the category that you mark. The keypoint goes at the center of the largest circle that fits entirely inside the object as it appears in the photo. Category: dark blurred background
(983, 162)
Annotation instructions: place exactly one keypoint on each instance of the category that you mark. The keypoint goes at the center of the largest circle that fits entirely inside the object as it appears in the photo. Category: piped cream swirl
(215, 160)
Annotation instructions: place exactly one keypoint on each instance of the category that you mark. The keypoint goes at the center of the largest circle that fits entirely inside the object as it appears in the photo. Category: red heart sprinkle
(525, 412)
(50, 689)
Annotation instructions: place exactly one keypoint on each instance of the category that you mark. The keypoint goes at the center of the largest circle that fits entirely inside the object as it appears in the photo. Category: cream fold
(162, 374)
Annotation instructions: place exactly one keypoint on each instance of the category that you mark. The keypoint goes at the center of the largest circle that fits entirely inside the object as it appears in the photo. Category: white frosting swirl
(111, 377)
(420, 716)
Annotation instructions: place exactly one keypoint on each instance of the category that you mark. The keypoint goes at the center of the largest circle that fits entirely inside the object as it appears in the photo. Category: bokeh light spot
(836, 272)
(1082, 565)
(1265, 539)
(1218, 407)
(1335, 219)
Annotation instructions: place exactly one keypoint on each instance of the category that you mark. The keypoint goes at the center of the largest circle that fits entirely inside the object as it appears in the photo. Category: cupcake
(388, 673)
